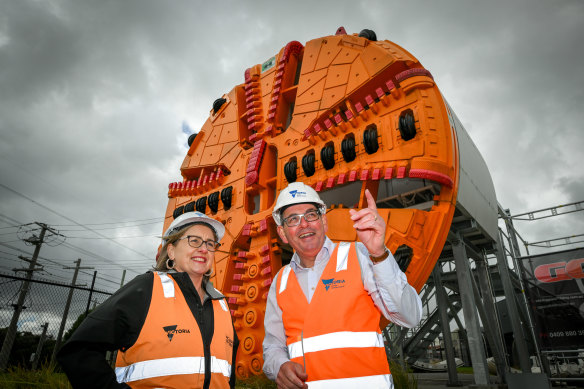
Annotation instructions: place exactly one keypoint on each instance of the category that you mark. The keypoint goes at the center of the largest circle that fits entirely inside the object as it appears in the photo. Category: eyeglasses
(309, 216)
(196, 242)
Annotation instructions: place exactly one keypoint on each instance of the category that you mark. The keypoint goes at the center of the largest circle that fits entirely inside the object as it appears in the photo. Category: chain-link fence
(42, 315)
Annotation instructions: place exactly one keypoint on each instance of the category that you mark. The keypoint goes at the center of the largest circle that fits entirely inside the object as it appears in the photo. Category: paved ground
(439, 380)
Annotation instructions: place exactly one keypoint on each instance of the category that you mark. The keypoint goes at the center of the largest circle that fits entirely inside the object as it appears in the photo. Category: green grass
(464, 370)
(255, 382)
(19, 378)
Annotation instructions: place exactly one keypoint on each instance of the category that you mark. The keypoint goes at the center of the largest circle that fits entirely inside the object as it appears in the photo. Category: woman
(172, 328)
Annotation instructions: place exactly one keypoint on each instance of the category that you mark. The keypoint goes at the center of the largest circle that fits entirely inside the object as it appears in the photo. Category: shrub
(402, 378)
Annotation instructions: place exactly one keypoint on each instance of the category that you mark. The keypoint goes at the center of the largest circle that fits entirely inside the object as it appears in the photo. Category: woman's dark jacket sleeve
(114, 325)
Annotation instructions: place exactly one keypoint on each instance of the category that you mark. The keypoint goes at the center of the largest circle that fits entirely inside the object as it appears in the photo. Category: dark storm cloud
(37, 55)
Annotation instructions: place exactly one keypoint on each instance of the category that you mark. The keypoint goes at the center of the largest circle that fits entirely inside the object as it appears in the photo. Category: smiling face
(307, 238)
(194, 261)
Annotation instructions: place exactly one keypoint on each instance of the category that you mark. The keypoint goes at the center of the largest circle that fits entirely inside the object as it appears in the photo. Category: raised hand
(370, 226)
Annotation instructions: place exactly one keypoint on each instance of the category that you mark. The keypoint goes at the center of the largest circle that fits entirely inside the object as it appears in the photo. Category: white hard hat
(296, 193)
(195, 217)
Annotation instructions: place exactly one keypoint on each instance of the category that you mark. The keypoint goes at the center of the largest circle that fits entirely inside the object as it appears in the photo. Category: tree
(25, 344)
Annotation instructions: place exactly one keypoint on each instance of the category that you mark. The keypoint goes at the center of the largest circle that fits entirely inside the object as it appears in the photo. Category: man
(323, 309)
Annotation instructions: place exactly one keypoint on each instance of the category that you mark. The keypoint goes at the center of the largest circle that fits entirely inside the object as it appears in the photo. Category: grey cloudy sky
(93, 95)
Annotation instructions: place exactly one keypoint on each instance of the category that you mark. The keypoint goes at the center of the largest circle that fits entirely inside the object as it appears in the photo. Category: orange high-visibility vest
(169, 350)
(337, 333)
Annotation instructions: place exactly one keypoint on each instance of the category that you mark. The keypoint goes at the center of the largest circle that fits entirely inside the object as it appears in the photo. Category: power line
(97, 256)
(4, 252)
(149, 221)
(18, 224)
(56, 275)
(3, 228)
(10, 259)
(71, 220)
(57, 264)
(98, 277)
(113, 237)
(50, 183)
(121, 224)
(84, 252)
(8, 233)
(14, 248)
(101, 282)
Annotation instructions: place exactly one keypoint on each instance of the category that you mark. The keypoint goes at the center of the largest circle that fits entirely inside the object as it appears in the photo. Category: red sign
(560, 271)
(554, 286)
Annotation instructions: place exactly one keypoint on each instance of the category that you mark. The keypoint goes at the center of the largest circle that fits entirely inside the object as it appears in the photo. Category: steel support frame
(491, 320)
(442, 302)
(513, 310)
(485, 303)
(471, 319)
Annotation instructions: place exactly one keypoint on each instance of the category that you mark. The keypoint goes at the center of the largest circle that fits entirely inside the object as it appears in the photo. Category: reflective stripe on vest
(224, 305)
(285, 274)
(171, 366)
(167, 284)
(369, 382)
(336, 340)
(343, 255)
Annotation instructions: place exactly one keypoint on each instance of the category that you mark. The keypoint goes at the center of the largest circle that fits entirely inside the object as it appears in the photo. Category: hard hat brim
(195, 217)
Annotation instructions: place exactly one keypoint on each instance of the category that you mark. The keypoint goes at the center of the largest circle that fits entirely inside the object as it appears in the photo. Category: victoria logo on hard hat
(296, 192)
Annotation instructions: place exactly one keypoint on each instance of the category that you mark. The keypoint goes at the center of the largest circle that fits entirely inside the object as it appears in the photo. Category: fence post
(37, 354)
(90, 293)
(123, 278)
(67, 305)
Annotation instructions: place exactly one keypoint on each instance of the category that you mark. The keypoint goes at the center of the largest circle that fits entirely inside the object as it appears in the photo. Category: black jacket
(116, 324)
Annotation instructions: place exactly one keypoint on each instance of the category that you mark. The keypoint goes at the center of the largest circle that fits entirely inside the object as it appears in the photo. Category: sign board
(554, 285)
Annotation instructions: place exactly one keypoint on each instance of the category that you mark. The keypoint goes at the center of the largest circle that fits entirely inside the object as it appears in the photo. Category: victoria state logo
(298, 193)
(171, 330)
(331, 282)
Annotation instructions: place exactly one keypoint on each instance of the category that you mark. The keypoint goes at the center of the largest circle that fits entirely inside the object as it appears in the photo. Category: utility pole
(90, 293)
(11, 333)
(67, 305)
(123, 278)
(37, 354)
